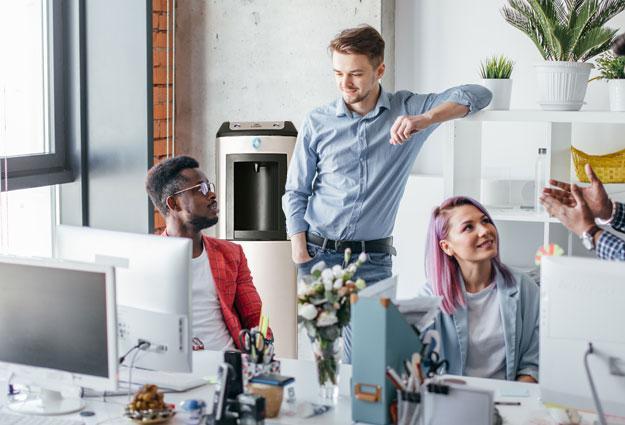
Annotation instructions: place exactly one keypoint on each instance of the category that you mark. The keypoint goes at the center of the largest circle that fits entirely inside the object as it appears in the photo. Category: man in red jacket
(224, 299)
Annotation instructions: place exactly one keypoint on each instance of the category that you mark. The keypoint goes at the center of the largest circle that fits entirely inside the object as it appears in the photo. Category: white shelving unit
(521, 231)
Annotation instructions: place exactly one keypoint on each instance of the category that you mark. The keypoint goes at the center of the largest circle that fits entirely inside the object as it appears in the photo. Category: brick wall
(162, 90)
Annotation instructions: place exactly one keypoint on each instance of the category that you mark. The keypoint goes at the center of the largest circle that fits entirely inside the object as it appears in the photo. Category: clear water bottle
(541, 179)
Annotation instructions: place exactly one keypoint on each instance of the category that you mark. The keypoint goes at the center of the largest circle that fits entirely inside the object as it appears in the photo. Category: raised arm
(455, 102)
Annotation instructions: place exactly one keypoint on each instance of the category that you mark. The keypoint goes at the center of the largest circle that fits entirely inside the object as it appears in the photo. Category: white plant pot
(616, 90)
(501, 89)
(562, 85)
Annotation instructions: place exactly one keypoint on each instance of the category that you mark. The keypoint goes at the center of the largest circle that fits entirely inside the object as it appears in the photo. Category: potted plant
(612, 69)
(567, 33)
(495, 72)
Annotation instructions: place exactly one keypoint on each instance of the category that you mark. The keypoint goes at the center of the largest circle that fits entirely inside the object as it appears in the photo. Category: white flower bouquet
(325, 309)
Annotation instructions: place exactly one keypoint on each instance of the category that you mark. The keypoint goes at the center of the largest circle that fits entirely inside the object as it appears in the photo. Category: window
(33, 121)
(27, 219)
(32, 93)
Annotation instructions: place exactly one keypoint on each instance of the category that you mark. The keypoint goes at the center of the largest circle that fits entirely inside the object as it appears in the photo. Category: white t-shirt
(486, 353)
(208, 320)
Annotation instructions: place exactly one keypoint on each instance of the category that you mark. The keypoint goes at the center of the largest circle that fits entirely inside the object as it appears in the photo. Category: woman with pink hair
(489, 318)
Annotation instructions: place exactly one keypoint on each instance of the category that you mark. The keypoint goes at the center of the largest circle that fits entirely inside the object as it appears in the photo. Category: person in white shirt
(224, 299)
(489, 318)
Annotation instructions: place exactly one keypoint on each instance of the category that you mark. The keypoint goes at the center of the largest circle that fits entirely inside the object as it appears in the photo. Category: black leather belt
(384, 246)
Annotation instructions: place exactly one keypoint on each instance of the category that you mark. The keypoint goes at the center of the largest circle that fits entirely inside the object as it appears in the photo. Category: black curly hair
(164, 179)
(619, 45)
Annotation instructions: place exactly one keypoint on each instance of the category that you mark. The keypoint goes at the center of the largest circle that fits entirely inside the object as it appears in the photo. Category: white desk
(531, 410)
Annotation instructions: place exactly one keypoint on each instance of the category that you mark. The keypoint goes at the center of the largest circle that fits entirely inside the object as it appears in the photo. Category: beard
(356, 98)
(200, 223)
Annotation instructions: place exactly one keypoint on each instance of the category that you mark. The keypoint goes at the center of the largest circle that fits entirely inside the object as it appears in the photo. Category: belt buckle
(337, 245)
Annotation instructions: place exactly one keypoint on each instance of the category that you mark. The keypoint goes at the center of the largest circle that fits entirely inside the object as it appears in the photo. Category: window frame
(46, 169)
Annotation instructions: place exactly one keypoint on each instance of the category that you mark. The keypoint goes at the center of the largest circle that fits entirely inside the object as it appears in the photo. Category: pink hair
(441, 270)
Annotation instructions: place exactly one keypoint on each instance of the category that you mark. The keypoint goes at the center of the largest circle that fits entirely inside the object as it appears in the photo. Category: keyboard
(165, 380)
(9, 419)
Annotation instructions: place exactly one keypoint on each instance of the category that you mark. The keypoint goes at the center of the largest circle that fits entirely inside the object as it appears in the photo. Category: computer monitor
(57, 330)
(582, 302)
(153, 290)
(385, 288)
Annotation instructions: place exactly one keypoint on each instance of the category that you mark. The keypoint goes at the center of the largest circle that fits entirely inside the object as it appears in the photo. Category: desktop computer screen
(57, 327)
(582, 302)
(386, 288)
(153, 289)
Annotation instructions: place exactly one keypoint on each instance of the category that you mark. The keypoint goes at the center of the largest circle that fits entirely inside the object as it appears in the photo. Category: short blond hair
(362, 40)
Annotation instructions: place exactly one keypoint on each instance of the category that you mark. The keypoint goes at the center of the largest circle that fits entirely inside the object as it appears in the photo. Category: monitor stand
(48, 402)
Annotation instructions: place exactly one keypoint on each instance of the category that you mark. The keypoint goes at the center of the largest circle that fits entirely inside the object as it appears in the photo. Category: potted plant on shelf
(495, 72)
(612, 69)
(567, 33)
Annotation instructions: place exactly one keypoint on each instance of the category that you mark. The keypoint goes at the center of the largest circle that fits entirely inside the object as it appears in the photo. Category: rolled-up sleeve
(473, 96)
(299, 180)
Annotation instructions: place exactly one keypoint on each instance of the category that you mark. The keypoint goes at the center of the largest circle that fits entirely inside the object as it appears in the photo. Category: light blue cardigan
(519, 304)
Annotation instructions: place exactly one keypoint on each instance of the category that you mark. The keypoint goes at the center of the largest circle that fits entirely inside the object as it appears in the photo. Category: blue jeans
(378, 267)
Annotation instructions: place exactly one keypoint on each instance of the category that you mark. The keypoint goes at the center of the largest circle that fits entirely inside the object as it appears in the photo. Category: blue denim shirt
(345, 179)
(520, 313)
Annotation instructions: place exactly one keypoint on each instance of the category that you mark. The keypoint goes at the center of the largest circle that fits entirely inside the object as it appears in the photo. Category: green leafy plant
(496, 67)
(565, 30)
(611, 67)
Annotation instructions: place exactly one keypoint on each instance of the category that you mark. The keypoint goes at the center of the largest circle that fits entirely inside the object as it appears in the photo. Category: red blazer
(240, 303)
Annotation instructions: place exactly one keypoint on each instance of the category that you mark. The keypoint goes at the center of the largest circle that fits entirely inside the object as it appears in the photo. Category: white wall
(440, 43)
(255, 60)
(422, 193)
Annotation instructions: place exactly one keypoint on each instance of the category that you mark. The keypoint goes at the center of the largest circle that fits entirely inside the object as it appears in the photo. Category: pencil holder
(251, 369)
(408, 407)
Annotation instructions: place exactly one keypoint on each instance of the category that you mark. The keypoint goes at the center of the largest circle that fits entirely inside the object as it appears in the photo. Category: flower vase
(328, 355)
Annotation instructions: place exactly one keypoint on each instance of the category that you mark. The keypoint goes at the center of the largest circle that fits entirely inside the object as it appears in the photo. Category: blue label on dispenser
(256, 142)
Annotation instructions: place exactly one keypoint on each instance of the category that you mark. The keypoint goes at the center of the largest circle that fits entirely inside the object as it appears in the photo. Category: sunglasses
(204, 187)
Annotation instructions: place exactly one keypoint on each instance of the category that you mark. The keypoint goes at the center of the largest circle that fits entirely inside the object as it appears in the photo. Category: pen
(411, 376)
(394, 378)
(507, 403)
(416, 364)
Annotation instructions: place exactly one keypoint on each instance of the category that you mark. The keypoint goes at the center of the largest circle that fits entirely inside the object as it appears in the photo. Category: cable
(132, 365)
(593, 390)
(139, 345)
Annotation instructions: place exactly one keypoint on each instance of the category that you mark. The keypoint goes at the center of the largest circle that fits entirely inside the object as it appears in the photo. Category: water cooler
(252, 162)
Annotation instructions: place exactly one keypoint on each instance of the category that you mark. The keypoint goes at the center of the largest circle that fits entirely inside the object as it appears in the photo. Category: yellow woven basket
(609, 168)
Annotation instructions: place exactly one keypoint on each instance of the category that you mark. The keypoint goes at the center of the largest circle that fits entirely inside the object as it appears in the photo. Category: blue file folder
(380, 337)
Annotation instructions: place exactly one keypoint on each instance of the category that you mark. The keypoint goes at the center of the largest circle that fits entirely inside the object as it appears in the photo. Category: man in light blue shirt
(353, 157)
